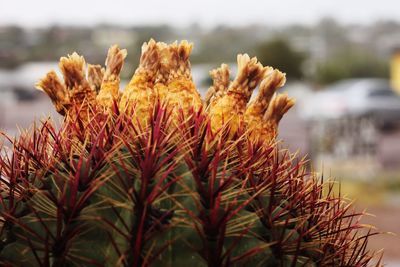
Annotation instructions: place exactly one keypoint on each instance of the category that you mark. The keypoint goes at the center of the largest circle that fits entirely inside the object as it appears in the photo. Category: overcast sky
(205, 12)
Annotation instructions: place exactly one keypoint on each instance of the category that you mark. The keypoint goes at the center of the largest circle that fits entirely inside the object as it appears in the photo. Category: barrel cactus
(157, 176)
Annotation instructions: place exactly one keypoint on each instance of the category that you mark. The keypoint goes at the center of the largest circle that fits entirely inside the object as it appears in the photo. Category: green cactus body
(111, 189)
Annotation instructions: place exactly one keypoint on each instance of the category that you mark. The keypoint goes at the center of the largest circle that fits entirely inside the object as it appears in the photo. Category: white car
(355, 98)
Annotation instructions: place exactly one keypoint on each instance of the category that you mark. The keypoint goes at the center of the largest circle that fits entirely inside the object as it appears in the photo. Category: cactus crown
(155, 176)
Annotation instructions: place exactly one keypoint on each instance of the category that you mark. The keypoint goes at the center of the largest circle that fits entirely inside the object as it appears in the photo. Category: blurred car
(355, 98)
(7, 96)
(26, 76)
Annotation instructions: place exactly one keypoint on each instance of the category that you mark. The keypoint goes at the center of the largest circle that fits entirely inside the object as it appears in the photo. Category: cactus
(155, 176)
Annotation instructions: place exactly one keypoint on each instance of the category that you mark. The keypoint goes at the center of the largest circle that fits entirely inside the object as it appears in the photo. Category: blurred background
(342, 60)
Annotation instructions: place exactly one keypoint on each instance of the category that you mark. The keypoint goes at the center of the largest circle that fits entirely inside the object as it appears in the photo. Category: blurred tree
(351, 64)
(279, 54)
(221, 44)
(12, 53)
